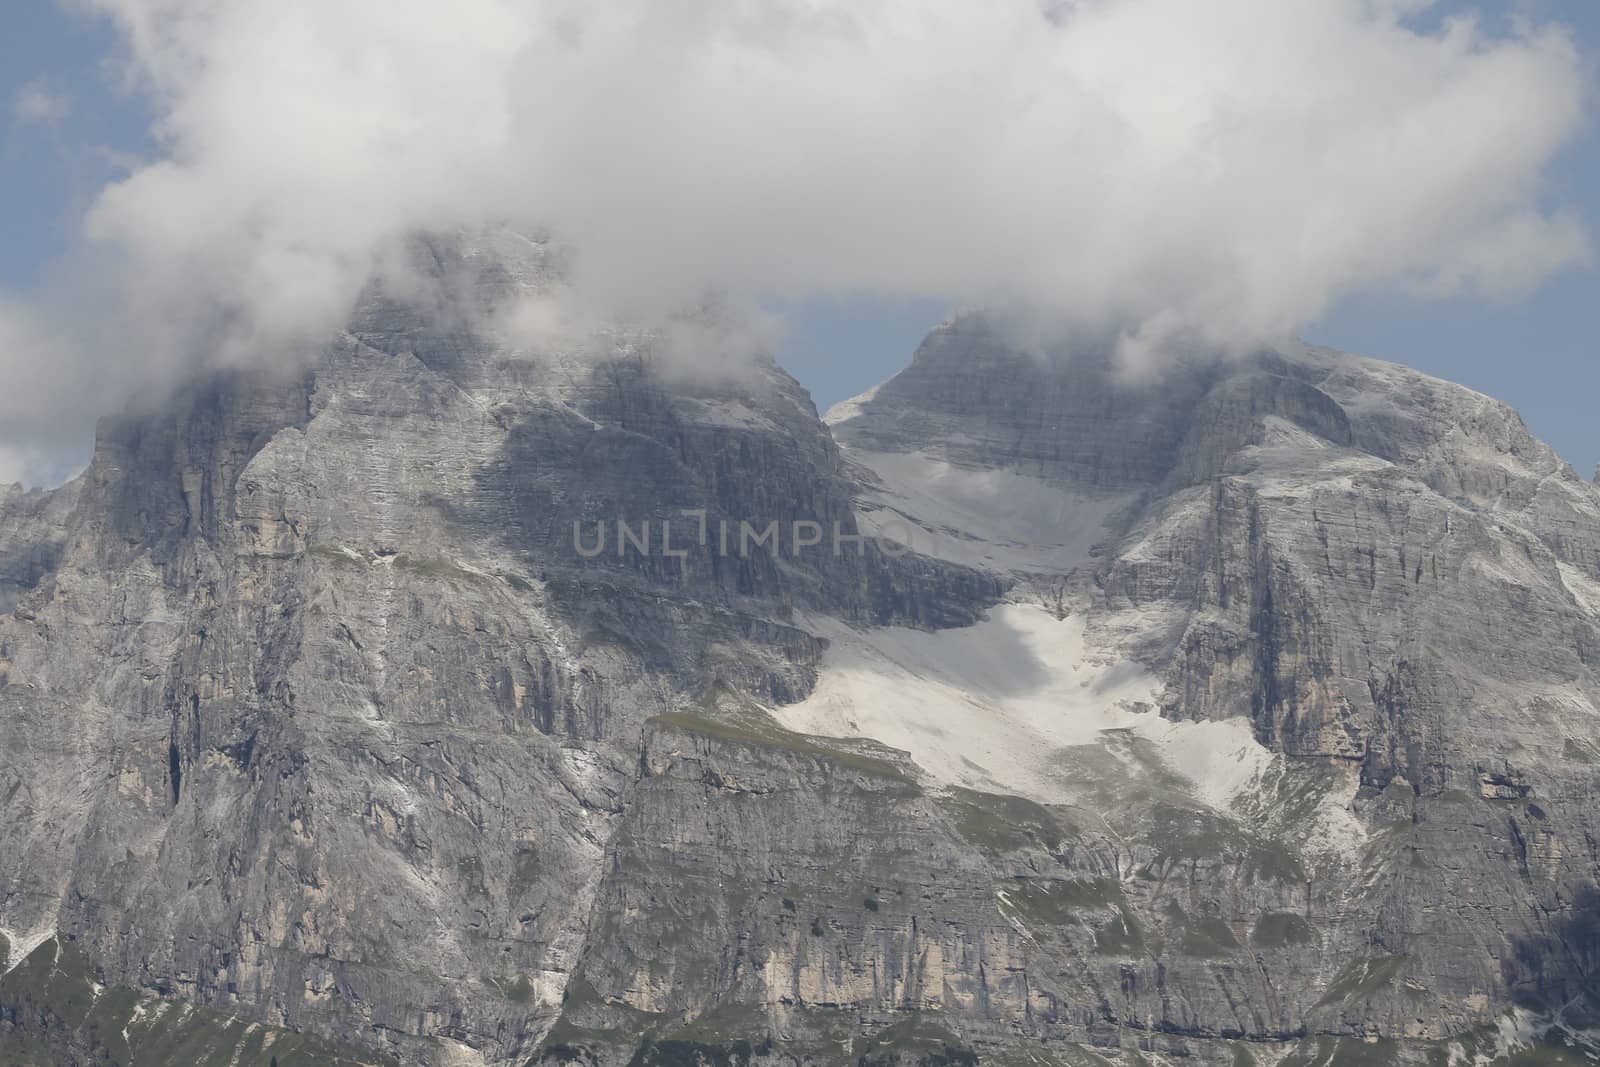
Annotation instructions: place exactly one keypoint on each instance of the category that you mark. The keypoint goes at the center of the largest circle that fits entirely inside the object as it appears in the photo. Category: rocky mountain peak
(1073, 417)
(1244, 711)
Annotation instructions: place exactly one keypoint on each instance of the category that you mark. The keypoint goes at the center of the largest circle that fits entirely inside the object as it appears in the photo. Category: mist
(1168, 173)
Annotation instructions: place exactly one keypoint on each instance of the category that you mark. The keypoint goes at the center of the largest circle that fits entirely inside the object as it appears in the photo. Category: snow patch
(1220, 758)
(989, 706)
(23, 946)
(845, 410)
(133, 1020)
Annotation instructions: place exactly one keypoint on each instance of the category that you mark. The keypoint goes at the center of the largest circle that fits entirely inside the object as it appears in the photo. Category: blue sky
(49, 171)
(1538, 353)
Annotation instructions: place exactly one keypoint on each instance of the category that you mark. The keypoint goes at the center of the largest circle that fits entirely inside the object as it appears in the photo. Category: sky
(1540, 353)
(191, 182)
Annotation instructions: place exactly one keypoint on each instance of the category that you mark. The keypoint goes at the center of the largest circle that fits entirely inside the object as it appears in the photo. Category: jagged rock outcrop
(1244, 714)
(32, 537)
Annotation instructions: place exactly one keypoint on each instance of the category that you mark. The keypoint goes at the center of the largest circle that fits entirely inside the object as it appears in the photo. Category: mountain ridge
(315, 715)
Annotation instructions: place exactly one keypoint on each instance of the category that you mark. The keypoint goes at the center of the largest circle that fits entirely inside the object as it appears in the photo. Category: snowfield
(990, 707)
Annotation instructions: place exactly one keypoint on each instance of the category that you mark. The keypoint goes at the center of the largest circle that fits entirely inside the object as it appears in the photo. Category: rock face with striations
(1245, 715)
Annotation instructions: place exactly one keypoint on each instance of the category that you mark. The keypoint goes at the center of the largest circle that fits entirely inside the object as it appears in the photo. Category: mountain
(1241, 715)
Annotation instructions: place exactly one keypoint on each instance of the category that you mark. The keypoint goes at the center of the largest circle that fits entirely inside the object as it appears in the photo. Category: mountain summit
(1246, 715)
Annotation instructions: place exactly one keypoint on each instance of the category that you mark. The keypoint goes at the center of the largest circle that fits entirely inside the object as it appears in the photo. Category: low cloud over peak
(1211, 174)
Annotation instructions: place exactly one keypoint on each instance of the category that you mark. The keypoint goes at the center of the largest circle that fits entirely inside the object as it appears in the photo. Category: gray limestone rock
(316, 716)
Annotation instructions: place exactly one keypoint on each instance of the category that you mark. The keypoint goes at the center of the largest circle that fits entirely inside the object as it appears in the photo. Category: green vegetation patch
(1282, 929)
(1001, 823)
(1121, 936)
(588, 1024)
(337, 555)
(1060, 901)
(1030, 1055)
(54, 989)
(926, 1036)
(1550, 1051)
(724, 1024)
(1345, 1052)
(1204, 936)
(1135, 778)
(736, 1034)
(763, 732)
(1181, 836)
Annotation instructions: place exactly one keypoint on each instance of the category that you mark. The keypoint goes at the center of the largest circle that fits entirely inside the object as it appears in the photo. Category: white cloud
(14, 466)
(32, 466)
(35, 103)
(1217, 173)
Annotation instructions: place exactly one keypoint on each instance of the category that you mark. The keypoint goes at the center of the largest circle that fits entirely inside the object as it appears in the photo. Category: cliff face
(32, 537)
(314, 711)
(1382, 579)
(1243, 713)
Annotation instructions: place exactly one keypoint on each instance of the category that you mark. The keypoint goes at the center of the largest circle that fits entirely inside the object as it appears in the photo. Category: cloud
(35, 103)
(1175, 173)
(32, 466)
